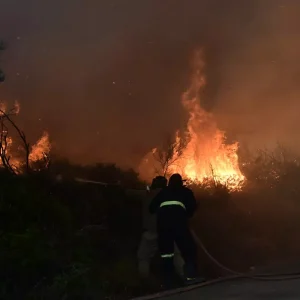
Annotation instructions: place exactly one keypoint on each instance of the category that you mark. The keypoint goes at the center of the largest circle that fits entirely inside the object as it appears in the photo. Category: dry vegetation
(63, 239)
(261, 222)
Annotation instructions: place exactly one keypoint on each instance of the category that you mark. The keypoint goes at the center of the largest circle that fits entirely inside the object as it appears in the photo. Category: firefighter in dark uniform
(149, 241)
(174, 205)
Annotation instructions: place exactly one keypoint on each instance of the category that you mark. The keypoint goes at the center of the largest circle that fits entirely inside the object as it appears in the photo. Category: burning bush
(201, 153)
(203, 156)
(20, 158)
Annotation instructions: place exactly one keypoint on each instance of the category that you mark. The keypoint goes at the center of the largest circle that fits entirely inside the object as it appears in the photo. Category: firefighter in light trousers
(149, 243)
(174, 205)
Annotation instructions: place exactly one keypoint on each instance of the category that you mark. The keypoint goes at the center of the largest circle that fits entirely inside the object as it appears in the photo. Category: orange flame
(39, 151)
(16, 107)
(205, 156)
(2, 108)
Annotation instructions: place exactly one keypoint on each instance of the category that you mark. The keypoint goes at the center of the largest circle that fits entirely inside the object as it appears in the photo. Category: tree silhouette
(169, 152)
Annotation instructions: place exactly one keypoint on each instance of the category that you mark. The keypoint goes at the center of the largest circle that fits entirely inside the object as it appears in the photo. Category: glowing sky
(105, 77)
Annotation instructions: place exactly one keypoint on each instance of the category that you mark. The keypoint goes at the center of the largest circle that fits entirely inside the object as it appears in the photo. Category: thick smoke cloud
(105, 77)
(259, 96)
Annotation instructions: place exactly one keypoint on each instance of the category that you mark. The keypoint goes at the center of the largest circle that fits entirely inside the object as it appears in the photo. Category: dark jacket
(173, 215)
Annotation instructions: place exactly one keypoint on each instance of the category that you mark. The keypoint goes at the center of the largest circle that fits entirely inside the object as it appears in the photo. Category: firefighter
(149, 245)
(174, 205)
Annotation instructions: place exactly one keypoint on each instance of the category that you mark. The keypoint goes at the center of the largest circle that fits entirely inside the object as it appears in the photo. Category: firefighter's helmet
(159, 182)
(175, 181)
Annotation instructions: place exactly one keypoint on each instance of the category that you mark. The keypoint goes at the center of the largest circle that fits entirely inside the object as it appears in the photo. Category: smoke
(105, 77)
(258, 98)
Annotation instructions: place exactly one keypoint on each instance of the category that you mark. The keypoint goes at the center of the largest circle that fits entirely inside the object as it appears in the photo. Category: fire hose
(264, 277)
(234, 274)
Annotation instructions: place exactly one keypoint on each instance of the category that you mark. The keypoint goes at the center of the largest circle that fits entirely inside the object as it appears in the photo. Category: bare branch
(169, 152)
(21, 134)
(3, 147)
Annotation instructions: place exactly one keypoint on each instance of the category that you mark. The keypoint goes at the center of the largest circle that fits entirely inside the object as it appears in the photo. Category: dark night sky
(105, 77)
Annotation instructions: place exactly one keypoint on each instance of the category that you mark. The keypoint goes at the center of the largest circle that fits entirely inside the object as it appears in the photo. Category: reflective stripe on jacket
(168, 203)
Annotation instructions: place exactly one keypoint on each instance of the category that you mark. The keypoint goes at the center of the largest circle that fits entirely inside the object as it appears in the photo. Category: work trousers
(180, 235)
(148, 248)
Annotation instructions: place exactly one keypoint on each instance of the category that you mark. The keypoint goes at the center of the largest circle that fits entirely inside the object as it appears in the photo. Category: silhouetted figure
(149, 241)
(174, 205)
